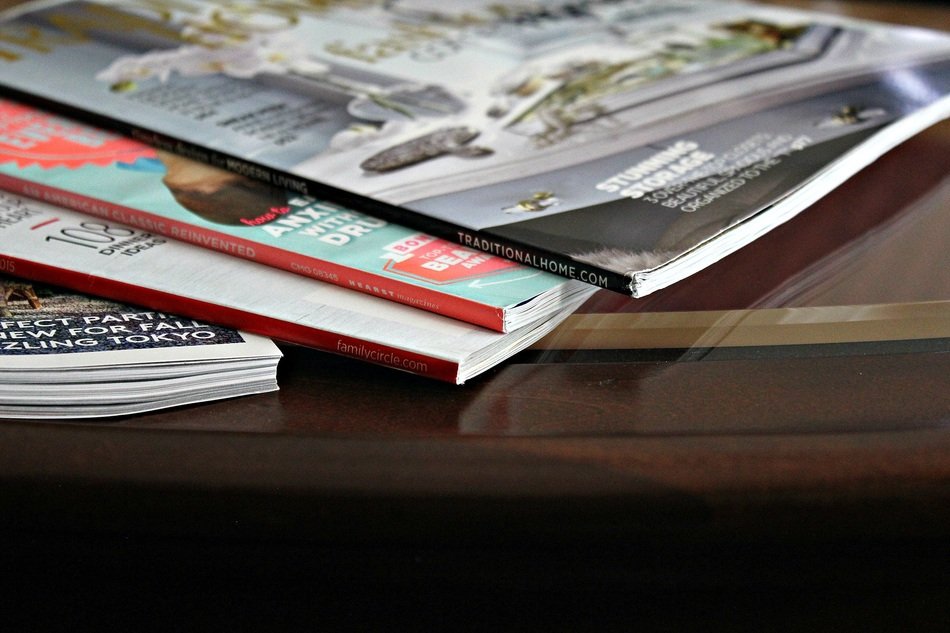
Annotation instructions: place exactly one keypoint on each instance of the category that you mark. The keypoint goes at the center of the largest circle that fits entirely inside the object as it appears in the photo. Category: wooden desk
(781, 449)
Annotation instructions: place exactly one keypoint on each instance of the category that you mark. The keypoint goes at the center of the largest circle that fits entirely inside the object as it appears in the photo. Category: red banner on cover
(30, 137)
(438, 261)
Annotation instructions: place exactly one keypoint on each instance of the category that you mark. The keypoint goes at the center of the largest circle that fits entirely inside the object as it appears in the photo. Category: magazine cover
(66, 355)
(49, 244)
(623, 143)
(93, 171)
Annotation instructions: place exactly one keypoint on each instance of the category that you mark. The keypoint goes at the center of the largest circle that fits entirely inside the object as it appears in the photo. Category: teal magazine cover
(97, 172)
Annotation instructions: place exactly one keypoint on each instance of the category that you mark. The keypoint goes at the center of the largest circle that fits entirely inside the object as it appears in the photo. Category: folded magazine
(54, 245)
(624, 143)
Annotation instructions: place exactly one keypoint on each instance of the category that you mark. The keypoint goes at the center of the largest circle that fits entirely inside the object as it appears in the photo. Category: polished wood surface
(792, 470)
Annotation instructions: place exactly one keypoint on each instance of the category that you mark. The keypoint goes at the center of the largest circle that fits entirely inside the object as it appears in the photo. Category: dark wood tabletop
(780, 437)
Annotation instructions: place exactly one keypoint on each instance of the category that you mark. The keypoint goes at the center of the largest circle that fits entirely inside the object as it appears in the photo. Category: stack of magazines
(429, 187)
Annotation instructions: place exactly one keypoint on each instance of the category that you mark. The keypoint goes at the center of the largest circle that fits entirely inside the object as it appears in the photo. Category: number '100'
(91, 235)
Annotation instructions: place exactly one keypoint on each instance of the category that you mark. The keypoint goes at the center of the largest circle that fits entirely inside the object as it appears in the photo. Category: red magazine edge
(454, 307)
(338, 344)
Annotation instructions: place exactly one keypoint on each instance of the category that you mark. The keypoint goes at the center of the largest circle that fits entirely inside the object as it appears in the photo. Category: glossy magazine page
(51, 244)
(626, 144)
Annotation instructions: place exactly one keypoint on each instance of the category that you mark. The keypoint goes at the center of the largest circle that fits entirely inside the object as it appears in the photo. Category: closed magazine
(626, 144)
(49, 244)
(67, 355)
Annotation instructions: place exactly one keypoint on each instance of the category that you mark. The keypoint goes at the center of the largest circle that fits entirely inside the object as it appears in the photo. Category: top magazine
(627, 144)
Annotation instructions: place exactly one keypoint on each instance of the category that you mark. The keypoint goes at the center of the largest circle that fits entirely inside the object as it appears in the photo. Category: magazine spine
(543, 259)
(353, 347)
(456, 307)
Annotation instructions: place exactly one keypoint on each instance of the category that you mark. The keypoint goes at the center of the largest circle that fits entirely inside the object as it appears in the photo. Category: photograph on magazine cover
(617, 135)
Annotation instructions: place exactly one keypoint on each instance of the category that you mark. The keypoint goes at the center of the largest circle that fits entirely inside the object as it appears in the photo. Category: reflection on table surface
(838, 320)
